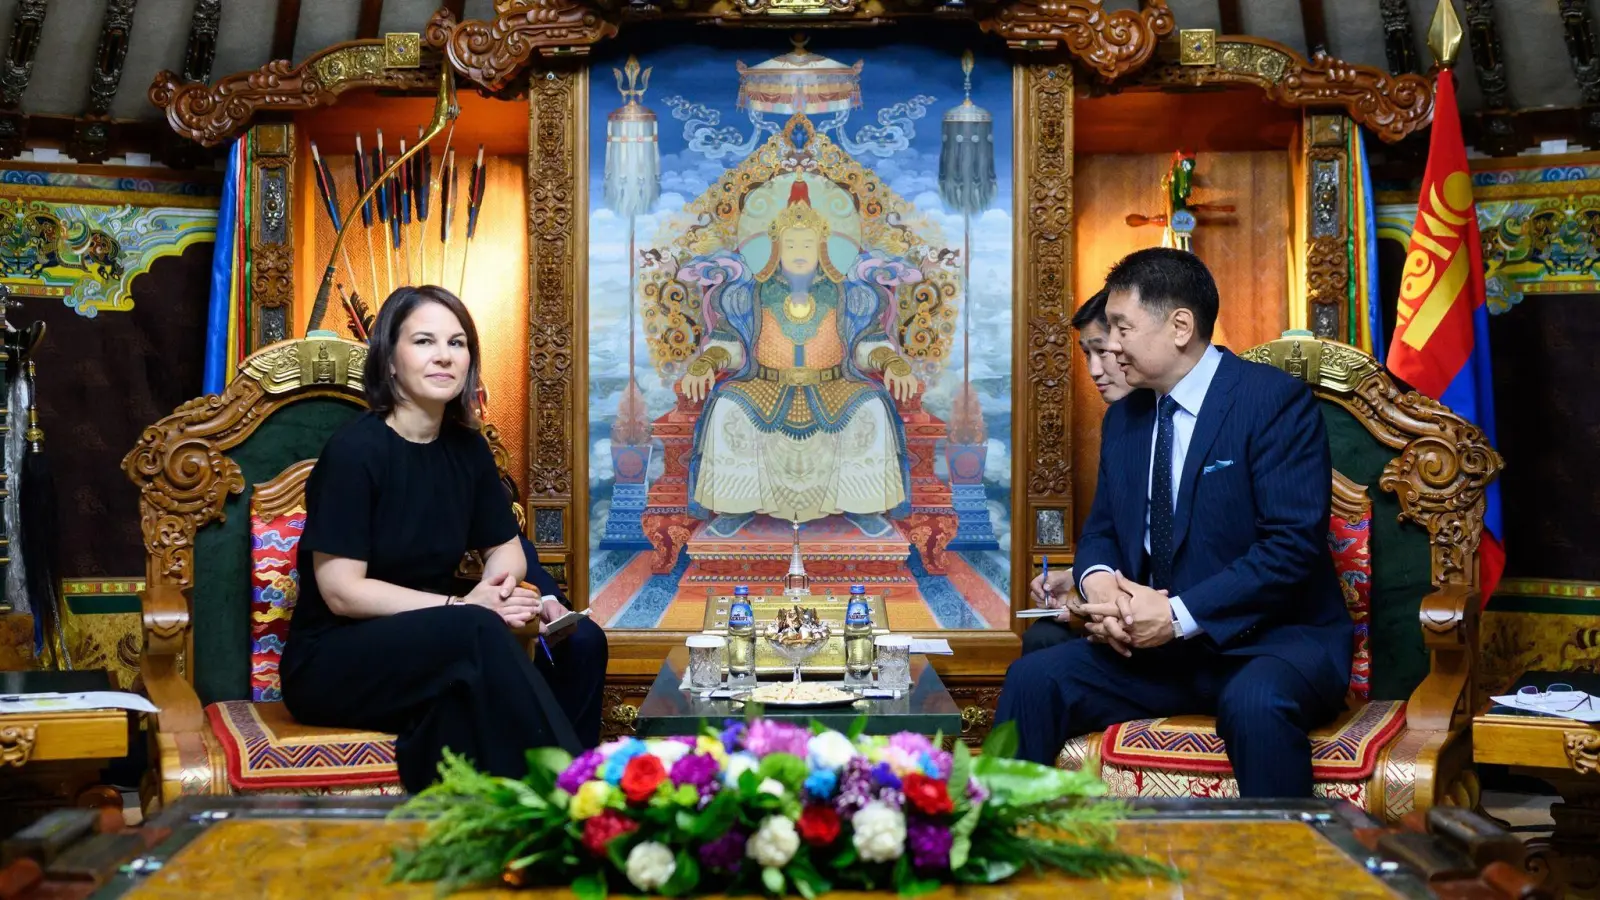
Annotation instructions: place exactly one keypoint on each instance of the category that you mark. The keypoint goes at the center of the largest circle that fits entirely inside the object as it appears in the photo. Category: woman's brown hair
(383, 392)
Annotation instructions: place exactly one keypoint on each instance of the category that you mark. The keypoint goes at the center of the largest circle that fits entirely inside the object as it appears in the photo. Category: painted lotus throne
(1407, 517)
(222, 504)
(798, 316)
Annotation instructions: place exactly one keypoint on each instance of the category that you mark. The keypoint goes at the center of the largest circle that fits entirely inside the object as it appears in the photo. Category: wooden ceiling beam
(1579, 33)
(1399, 44)
(1314, 24)
(367, 22)
(91, 140)
(27, 22)
(201, 51)
(1228, 13)
(284, 29)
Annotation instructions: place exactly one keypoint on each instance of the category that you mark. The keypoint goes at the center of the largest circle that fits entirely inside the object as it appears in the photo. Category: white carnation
(738, 764)
(770, 786)
(668, 752)
(880, 832)
(650, 865)
(830, 750)
(774, 843)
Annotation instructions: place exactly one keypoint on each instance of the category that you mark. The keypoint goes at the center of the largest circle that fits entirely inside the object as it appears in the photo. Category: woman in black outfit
(382, 637)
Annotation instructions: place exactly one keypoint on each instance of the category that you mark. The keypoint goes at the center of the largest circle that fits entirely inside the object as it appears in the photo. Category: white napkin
(32, 703)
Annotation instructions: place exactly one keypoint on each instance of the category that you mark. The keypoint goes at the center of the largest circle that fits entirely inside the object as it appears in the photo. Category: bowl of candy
(796, 635)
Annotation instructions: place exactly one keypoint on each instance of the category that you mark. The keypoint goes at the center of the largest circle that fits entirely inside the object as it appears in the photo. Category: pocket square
(1219, 464)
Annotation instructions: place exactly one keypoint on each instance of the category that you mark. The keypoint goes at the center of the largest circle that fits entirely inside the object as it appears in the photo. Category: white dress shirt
(1190, 393)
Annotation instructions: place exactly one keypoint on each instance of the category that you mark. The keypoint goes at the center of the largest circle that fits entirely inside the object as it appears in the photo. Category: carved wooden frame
(281, 493)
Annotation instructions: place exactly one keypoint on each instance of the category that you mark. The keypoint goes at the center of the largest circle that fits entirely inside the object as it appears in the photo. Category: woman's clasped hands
(515, 604)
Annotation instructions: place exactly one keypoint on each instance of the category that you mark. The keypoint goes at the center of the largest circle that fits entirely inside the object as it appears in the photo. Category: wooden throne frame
(540, 46)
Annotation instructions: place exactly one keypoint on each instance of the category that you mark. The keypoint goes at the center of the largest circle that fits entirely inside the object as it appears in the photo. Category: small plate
(774, 697)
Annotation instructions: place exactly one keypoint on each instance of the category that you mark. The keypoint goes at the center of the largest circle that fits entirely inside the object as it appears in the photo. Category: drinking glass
(705, 660)
(894, 662)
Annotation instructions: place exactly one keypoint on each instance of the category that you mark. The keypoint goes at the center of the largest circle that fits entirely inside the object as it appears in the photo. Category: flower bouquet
(765, 806)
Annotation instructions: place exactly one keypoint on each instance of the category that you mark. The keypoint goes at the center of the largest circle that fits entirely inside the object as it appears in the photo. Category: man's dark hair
(1092, 312)
(1169, 279)
(382, 390)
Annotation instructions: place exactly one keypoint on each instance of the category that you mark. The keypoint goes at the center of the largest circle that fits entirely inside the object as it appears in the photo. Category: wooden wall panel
(1248, 252)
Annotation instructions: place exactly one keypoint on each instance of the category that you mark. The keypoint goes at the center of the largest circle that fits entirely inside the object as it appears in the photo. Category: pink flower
(766, 737)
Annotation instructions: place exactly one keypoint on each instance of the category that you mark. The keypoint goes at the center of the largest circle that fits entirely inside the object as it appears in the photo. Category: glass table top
(927, 708)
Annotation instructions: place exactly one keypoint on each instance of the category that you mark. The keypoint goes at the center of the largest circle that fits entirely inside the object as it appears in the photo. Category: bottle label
(740, 615)
(857, 614)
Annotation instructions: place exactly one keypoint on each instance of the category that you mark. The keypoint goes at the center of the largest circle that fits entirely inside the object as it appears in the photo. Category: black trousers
(456, 677)
(1264, 706)
(1046, 633)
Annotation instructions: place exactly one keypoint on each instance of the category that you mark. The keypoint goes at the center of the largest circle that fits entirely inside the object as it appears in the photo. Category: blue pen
(546, 647)
(1046, 582)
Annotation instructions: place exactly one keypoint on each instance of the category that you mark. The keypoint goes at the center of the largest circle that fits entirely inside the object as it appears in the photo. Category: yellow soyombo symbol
(1425, 294)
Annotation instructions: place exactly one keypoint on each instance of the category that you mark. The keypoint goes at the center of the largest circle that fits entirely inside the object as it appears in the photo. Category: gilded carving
(1392, 106)
(617, 715)
(555, 102)
(1583, 751)
(213, 113)
(1112, 44)
(318, 360)
(16, 744)
(1044, 239)
(1443, 465)
(491, 53)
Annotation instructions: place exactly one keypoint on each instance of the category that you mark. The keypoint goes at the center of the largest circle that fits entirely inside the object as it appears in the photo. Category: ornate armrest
(1449, 619)
(166, 628)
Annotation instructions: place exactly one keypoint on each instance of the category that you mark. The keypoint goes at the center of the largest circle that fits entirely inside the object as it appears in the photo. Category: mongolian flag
(1441, 334)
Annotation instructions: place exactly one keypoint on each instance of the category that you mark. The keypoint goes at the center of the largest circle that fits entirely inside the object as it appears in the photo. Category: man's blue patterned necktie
(1161, 498)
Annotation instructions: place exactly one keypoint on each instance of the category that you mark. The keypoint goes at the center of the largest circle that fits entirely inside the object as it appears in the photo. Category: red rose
(819, 825)
(640, 778)
(601, 830)
(928, 795)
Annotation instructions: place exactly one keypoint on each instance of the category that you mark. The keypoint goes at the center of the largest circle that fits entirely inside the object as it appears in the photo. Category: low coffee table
(54, 759)
(926, 709)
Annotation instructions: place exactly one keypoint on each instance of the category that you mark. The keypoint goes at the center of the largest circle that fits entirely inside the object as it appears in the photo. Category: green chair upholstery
(1407, 519)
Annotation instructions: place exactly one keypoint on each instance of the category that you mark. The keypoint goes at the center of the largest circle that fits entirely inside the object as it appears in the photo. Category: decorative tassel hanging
(967, 185)
(633, 152)
(41, 538)
(632, 184)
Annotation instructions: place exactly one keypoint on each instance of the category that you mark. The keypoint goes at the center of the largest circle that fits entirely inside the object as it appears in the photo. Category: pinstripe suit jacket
(1250, 556)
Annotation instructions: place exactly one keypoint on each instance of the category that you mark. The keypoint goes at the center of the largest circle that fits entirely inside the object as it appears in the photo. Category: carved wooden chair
(221, 579)
(1407, 518)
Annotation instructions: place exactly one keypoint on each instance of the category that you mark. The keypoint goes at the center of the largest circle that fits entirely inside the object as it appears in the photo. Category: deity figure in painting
(804, 425)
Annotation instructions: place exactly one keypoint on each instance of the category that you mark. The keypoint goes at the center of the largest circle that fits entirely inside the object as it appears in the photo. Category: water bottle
(741, 638)
(858, 650)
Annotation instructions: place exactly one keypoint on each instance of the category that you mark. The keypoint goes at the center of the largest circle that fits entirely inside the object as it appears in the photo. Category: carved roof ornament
(1117, 45)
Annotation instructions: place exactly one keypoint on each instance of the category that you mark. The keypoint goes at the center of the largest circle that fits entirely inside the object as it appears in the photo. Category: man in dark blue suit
(1203, 567)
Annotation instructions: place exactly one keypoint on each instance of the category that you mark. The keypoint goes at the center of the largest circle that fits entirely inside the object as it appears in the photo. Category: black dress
(447, 676)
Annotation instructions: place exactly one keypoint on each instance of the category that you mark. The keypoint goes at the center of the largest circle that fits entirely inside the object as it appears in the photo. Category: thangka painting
(800, 328)
(82, 239)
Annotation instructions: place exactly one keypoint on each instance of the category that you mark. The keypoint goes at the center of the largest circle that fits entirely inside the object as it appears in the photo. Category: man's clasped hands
(515, 602)
(1119, 613)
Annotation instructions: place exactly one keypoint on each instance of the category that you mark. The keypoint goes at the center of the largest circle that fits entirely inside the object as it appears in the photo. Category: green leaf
(856, 728)
(549, 759)
(960, 774)
(846, 857)
(718, 816)
(1018, 783)
(1001, 742)
(772, 880)
(685, 876)
(786, 769)
(959, 848)
(807, 880)
(591, 886)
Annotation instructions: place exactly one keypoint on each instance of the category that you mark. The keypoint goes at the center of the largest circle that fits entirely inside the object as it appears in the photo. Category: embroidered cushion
(267, 749)
(274, 587)
(1346, 749)
(1351, 546)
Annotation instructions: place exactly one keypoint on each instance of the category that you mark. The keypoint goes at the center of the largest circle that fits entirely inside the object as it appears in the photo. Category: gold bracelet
(889, 362)
(710, 361)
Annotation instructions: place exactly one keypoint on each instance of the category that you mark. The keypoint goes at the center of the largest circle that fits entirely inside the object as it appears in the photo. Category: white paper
(931, 646)
(1038, 613)
(1565, 705)
(36, 703)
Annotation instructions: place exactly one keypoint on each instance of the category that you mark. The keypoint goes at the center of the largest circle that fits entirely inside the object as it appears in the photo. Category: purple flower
(726, 851)
(695, 769)
(975, 791)
(885, 777)
(855, 787)
(732, 735)
(913, 744)
(581, 770)
(929, 843)
(766, 737)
